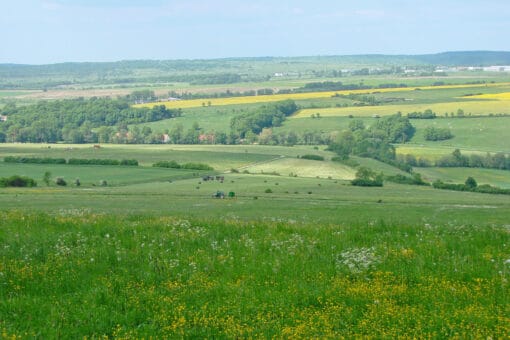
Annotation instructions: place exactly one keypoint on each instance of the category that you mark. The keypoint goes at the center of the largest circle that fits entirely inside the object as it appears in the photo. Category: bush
(17, 181)
(401, 179)
(60, 181)
(103, 183)
(167, 164)
(365, 177)
(436, 134)
(189, 166)
(92, 161)
(313, 157)
(34, 160)
(268, 191)
(196, 166)
(129, 162)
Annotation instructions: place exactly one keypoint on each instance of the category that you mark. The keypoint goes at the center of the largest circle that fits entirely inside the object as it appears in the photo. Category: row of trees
(457, 159)
(491, 161)
(471, 185)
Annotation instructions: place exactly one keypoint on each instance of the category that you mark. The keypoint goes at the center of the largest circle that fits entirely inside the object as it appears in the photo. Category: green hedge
(175, 165)
(17, 181)
(313, 157)
(34, 160)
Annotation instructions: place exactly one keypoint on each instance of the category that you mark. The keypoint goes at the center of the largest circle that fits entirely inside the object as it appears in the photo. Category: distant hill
(468, 58)
(223, 71)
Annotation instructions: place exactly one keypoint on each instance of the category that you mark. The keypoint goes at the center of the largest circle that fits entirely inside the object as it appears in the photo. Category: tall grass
(74, 274)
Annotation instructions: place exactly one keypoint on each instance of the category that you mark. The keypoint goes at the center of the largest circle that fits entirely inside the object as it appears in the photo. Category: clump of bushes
(167, 164)
(17, 181)
(34, 160)
(472, 186)
(189, 166)
(366, 177)
(313, 157)
(83, 161)
(71, 161)
(60, 181)
(129, 162)
(196, 166)
(415, 179)
(436, 134)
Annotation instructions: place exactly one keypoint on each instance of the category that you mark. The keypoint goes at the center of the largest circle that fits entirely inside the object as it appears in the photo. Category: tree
(367, 178)
(47, 178)
(471, 183)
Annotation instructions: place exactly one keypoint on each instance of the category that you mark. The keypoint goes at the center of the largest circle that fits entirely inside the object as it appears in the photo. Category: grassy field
(92, 175)
(154, 255)
(219, 157)
(298, 253)
(75, 274)
(304, 168)
(499, 178)
(477, 134)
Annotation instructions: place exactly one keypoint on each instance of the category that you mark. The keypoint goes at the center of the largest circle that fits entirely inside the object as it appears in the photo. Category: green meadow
(292, 251)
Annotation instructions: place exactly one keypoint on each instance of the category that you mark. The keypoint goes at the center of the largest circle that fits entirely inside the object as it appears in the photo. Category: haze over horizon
(52, 31)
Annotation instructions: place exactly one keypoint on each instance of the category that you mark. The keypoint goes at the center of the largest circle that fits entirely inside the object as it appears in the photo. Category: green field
(297, 253)
(78, 274)
(153, 254)
(91, 175)
(476, 134)
(499, 178)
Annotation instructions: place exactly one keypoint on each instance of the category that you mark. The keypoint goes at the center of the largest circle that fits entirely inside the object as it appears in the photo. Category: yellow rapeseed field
(481, 107)
(497, 96)
(185, 104)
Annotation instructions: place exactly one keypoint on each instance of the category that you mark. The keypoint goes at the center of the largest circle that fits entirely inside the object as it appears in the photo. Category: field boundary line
(258, 163)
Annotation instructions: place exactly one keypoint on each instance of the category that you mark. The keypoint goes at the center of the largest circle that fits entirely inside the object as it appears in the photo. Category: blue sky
(50, 31)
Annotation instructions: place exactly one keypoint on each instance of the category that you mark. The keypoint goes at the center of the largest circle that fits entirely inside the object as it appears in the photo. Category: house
(3, 118)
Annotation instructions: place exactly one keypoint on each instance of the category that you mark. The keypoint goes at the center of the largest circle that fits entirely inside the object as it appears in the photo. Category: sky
(53, 31)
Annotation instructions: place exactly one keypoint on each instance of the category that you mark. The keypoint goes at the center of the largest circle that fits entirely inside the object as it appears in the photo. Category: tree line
(456, 159)
(73, 120)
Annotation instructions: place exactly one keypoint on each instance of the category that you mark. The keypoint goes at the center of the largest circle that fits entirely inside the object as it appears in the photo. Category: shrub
(436, 134)
(17, 181)
(92, 161)
(401, 179)
(196, 166)
(103, 183)
(313, 157)
(471, 183)
(167, 164)
(129, 162)
(365, 177)
(46, 178)
(268, 191)
(34, 160)
(60, 181)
